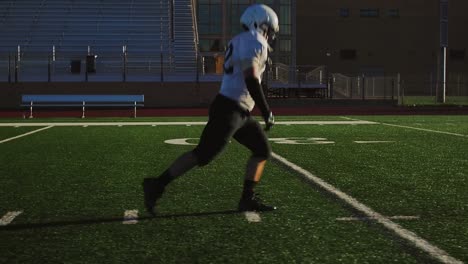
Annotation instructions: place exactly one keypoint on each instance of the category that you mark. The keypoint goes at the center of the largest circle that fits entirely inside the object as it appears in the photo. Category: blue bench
(81, 100)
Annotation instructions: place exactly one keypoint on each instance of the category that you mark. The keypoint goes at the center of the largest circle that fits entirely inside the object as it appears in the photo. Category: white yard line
(177, 123)
(130, 217)
(337, 122)
(396, 217)
(373, 142)
(413, 238)
(67, 124)
(25, 134)
(9, 217)
(410, 127)
(427, 130)
(252, 217)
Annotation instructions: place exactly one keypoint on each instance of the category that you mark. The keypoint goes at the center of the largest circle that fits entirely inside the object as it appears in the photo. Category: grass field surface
(70, 187)
(432, 100)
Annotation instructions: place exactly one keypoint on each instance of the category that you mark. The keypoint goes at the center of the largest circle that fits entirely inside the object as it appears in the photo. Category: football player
(230, 112)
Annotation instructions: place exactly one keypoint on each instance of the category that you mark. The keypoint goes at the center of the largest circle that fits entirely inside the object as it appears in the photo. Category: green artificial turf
(431, 100)
(73, 185)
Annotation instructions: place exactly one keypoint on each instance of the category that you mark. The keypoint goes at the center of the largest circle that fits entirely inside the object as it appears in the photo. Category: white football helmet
(261, 18)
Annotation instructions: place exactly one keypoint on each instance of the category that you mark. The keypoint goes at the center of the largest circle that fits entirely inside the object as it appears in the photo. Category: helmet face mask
(262, 19)
(271, 38)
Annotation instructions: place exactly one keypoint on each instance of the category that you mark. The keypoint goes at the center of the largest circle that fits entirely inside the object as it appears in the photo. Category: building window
(369, 12)
(285, 20)
(344, 12)
(348, 54)
(210, 17)
(210, 45)
(235, 9)
(285, 45)
(204, 45)
(266, 2)
(394, 12)
(457, 54)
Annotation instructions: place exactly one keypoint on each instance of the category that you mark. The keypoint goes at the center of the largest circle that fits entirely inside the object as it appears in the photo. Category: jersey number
(228, 68)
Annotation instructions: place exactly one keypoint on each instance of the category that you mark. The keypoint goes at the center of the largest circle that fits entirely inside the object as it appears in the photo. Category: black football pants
(228, 120)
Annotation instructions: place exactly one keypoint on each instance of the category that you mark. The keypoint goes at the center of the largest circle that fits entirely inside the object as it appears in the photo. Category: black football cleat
(153, 190)
(254, 203)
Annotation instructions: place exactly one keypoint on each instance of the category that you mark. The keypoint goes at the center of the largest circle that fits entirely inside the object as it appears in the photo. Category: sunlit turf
(74, 183)
(432, 100)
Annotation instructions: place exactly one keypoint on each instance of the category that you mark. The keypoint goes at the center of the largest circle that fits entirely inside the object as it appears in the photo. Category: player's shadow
(92, 221)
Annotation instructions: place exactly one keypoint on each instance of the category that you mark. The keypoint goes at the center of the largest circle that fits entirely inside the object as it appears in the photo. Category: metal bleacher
(44, 36)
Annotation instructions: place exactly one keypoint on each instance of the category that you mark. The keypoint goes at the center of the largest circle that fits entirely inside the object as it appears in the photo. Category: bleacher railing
(363, 87)
(406, 89)
(280, 73)
(120, 64)
(79, 64)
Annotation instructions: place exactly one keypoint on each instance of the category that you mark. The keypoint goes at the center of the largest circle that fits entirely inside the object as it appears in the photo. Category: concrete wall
(156, 94)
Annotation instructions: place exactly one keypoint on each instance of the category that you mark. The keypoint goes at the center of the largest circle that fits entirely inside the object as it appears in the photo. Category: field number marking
(301, 141)
(9, 217)
(410, 236)
(290, 141)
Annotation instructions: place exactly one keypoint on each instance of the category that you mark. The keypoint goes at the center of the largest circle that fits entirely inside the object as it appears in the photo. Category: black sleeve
(256, 91)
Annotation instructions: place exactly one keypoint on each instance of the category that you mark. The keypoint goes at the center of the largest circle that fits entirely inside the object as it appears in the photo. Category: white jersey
(246, 50)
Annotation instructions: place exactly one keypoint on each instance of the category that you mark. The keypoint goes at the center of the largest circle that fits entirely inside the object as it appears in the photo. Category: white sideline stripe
(353, 122)
(9, 217)
(396, 217)
(415, 128)
(427, 130)
(417, 241)
(373, 142)
(130, 217)
(252, 217)
(67, 124)
(356, 122)
(25, 134)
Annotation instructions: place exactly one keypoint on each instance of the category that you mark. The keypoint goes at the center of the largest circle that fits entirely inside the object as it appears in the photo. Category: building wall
(384, 43)
(404, 37)
(458, 35)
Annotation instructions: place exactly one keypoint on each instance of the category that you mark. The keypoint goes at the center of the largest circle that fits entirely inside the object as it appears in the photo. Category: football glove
(269, 121)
